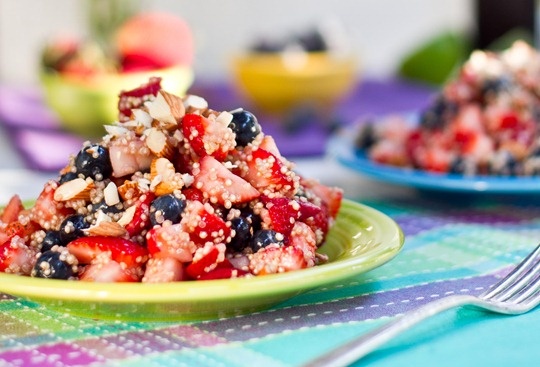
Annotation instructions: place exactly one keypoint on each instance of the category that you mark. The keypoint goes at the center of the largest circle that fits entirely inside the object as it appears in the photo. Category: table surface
(455, 244)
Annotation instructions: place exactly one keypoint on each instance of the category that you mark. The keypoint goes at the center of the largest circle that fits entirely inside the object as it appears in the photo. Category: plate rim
(341, 148)
(174, 292)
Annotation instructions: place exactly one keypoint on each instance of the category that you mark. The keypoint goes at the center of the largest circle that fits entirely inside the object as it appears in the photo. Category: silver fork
(517, 293)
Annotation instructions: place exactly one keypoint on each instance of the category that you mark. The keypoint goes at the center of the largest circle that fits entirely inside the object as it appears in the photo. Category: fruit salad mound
(174, 191)
(483, 122)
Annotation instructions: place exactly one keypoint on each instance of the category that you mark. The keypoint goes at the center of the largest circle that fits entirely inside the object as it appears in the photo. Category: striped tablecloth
(452, 246)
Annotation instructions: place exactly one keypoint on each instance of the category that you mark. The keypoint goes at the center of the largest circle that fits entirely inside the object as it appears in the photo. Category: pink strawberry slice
(221, 185)
(16, 257)
(165, 269)
(121, 250)
(47, 212)
(265, 171)
(272, 260)
(12, 209)
(170, 241)
(109, 272)
(331, 196)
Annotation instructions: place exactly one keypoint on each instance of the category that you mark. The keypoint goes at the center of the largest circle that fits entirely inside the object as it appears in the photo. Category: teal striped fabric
(456, 247)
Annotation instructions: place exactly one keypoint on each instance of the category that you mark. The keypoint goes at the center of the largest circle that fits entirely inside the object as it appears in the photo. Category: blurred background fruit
(434, 61)
(81, 79)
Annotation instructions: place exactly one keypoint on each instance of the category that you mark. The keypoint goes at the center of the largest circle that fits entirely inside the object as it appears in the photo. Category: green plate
(361, 239)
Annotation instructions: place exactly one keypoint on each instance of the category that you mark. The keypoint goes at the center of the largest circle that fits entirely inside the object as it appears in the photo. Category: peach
(154, 40)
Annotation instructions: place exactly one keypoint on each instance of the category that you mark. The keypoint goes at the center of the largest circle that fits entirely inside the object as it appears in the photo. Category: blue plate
(341, 147)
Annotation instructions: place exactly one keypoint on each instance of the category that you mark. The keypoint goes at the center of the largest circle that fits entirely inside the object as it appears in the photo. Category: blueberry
(245, 126)
(504, 163)
(496, 85)
(51, 265)
(243, 233)
(52, 238)
(166, 207)
(312, 41)
(254, 220)
(367, 136)
(67, 177)
(94, 161)
(436, 115)
(105, 208)
(72, 228)
(263, 238)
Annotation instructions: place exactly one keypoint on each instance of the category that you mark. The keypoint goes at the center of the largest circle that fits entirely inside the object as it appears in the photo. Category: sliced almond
(75, 189)
(159, 143)
(128, 216)
(167, 109)
(110, 194)
(164, 178)
(195, 103)
(105, 228)
(129, 190)
(161, 168)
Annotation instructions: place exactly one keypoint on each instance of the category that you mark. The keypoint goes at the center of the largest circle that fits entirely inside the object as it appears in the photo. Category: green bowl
(84, 105)
(361, 239)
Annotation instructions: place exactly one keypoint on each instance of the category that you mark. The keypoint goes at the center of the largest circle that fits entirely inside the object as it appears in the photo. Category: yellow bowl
(279, 82)
(84, 105)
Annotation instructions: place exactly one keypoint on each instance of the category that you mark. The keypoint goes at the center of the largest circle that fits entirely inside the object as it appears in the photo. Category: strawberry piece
(193, 129)
(109, 271)
(221, 185)
(331, 196)
(12, 210)
(170, 241)
(223, 273)
(88, 249)
(193, 194)
(207, 136)
(16, 257)
(163, 269)
(141, 215)
(272, 260)
(269, 174)
(203, 225)
(47, 212)
(316, 217)
(304, 238)
(135, 98)
(282, 213)
(205, 260)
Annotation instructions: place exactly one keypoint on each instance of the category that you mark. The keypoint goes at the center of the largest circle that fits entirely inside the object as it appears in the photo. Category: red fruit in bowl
(155, 38)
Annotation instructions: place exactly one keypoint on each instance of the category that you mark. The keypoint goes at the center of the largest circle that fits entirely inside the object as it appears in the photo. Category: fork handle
(359, 347)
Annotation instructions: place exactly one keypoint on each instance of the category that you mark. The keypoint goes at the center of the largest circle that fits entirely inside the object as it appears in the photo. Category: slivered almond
(129, 190)
(164, 178)
(110, 194)
(106, 228)
(159, 143)
(167, 109)
(128, 216)
(167, 187)
(195, 104)
(76, 189)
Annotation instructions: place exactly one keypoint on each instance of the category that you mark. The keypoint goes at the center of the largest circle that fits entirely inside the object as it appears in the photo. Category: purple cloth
(36, 134)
